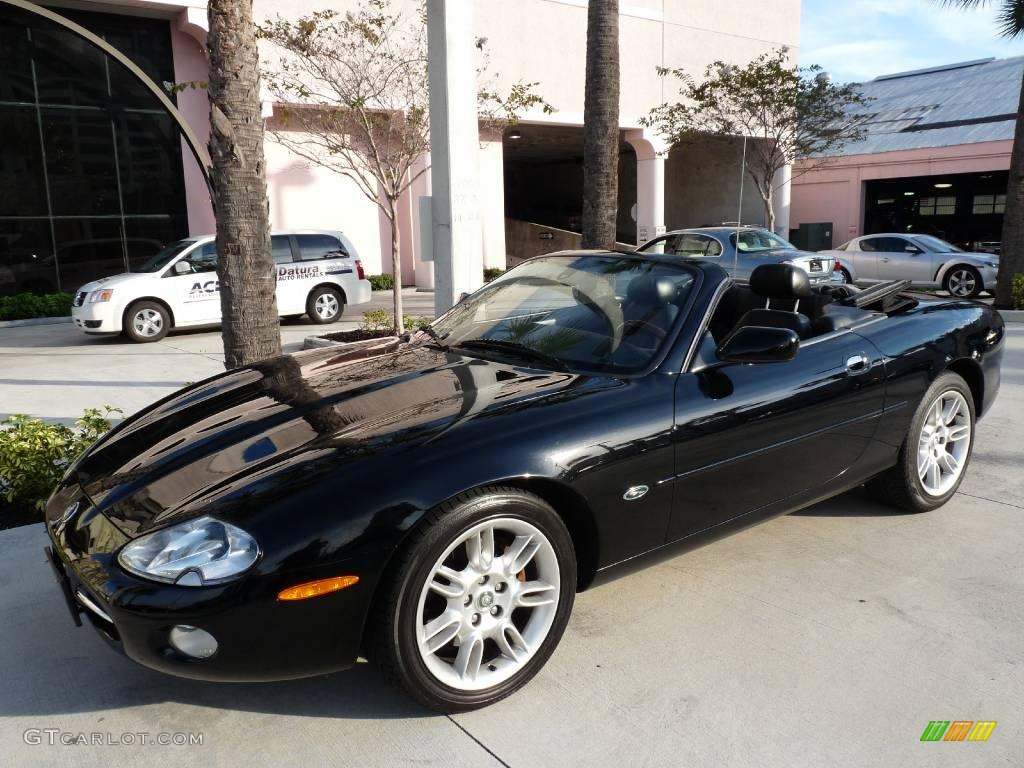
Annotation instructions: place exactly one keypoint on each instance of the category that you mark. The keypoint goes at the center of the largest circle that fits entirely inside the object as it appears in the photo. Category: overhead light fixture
(943, 185)
(515, 134)
(908, 194)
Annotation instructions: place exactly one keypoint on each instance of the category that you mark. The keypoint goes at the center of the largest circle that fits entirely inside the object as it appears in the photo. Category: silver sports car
(925, 260)
(756, 246)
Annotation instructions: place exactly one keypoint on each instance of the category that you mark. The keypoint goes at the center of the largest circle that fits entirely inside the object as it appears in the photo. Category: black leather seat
(780, 283)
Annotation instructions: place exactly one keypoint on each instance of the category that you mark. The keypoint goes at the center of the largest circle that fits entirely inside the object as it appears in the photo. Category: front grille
(79, 299)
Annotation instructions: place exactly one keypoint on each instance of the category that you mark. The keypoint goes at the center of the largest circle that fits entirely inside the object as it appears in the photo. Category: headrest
(652, 291)
(780, 281)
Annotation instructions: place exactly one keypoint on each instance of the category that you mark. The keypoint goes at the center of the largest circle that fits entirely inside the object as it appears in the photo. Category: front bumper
(100, 317)
(259, 638)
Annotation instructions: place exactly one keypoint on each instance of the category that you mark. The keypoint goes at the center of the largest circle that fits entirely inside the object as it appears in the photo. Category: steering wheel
(633, 326)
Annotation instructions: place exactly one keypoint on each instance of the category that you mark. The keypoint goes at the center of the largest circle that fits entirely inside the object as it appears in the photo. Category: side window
(319, 247)
(692, 244)
(898, 245)
(662, 245)
(872, 244)
(281, 249)
(204, 258)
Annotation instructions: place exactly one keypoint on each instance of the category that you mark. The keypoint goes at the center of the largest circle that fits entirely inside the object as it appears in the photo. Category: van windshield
(162, 258)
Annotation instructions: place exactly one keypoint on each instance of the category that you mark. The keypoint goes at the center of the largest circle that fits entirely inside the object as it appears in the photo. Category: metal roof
(964, 103)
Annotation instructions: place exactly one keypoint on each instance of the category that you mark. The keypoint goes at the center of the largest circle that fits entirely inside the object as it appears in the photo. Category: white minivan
(318, 273)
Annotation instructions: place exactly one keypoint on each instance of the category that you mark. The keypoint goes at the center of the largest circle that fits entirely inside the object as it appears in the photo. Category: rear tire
(477, 600)
(325, 305)
(934, 456)
(146, 321)
(847, 277)
(963, 282)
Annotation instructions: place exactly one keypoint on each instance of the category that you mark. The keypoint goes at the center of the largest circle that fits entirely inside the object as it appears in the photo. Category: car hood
(115, 280)
(215, 435)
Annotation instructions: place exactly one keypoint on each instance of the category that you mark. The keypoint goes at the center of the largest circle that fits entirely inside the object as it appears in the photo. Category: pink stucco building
(934, 159)
(103, 180)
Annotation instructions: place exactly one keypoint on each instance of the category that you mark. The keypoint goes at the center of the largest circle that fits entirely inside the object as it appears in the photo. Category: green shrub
(492, 273)
(34, 455)
(377, 320)
(381, 282)
(27, 305)
(1017, 291)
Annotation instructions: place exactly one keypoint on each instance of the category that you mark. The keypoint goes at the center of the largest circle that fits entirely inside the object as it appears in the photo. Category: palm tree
(601, 125)
(1011, 260)
(245, 269)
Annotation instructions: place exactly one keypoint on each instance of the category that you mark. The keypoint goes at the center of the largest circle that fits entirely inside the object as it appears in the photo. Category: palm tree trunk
(601, 125)
(1011, 259)
(250, 324)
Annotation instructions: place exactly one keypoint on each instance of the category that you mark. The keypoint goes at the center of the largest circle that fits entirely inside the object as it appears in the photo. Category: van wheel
(146, 321)
(325, 305)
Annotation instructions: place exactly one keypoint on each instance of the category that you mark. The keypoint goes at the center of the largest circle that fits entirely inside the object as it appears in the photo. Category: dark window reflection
(90, 165)
(87, 249)
(22, 187)
(26, 257)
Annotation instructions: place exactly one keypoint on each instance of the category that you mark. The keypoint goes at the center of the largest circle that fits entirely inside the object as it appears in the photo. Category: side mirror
(759, 344)
(182, 267)
(912, 250)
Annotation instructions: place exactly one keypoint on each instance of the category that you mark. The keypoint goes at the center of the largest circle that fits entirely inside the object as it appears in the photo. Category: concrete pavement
(56, 371)
(825, 638)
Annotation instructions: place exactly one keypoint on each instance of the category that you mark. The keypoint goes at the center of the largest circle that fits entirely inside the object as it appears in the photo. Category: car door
(863, 254)
(747, 436)
(191, 285)
(902, 259)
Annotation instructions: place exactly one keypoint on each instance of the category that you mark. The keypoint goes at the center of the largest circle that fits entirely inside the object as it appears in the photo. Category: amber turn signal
(317, 588)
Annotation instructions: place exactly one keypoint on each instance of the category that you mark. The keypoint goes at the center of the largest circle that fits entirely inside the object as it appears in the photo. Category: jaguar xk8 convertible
(434, 503)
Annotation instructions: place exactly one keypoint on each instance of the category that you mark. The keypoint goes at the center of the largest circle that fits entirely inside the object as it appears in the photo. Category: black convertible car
(435, 502)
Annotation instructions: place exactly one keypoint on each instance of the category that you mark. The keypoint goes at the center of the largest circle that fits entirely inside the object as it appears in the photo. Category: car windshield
(937, 244)
(162, 258)
(599, 313)
(754, 240)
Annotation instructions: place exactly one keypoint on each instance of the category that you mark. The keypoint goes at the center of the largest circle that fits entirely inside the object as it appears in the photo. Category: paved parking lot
(825, 638)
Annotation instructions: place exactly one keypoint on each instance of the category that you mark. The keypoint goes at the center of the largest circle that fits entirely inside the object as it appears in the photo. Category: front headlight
(97, 296)
(195, 553)
(993, 264)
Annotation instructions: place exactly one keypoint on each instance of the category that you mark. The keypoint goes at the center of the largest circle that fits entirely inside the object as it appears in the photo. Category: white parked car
(925, 260)
(318, 273)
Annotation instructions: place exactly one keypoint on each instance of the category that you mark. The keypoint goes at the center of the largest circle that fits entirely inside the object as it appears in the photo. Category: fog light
(192, 641)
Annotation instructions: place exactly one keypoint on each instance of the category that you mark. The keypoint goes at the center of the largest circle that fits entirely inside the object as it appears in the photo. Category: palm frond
(1011, 18)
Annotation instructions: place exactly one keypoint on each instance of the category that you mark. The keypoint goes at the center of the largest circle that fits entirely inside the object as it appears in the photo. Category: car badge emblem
(61, 522)
(636, 492)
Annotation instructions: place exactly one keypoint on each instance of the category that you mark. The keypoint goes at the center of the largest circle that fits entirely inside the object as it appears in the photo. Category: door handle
(884, 260)
(858, 363)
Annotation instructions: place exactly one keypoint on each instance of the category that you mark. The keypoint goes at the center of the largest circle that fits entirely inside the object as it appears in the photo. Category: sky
(856, 40)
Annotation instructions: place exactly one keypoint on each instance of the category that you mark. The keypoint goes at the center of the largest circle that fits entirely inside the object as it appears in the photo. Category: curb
(315, 342)
(38, 321)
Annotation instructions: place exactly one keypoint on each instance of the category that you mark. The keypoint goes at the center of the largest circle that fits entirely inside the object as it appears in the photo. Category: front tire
(963, 282)
(477, 602)
(325, 305)
(146, 321)
(934, 456)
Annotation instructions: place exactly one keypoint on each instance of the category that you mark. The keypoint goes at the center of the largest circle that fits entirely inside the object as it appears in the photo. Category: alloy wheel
(944, 443)
(962, 283)
(147, 322)
(326, 306)
(488, 604)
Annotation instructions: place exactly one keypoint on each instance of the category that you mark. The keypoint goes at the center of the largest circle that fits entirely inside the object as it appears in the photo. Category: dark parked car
(435, 503)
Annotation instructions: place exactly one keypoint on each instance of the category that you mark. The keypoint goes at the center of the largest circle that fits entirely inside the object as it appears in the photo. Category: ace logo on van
(203, 290)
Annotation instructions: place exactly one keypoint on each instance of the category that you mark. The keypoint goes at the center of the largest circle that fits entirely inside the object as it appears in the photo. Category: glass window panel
(88, 249)
(149, 156)
(147, 42)
(281, 249)
(26, 257)
(317, 246)
(68, 69)
(22, 185)
(145, 237)
(80, 162)
(203, 258)
(15, 62)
